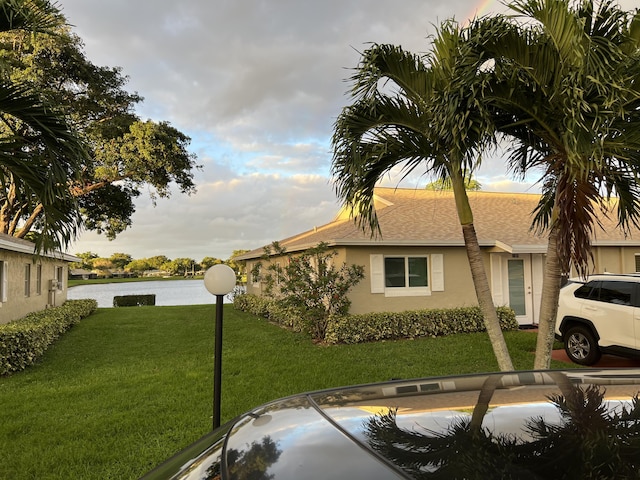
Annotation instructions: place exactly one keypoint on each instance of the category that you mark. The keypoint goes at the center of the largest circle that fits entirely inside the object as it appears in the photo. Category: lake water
(168, 292)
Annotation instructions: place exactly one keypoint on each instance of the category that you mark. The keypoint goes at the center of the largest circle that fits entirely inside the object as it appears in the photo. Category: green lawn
(128, 387)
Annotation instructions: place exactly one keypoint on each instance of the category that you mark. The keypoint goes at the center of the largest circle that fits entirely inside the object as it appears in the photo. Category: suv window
(608, 291)
(588, 290)
(616, 292)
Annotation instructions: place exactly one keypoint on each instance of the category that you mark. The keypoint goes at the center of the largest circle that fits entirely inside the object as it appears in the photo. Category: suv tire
(581, 346)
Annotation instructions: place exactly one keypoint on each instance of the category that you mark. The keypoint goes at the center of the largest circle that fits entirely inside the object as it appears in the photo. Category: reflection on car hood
(513, 425)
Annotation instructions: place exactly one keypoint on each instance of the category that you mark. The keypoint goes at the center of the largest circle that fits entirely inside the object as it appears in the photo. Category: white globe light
(220, 279)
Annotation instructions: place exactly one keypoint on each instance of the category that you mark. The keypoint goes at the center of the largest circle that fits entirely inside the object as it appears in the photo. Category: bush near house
(309, 284)
(23, 341)
(371, 327)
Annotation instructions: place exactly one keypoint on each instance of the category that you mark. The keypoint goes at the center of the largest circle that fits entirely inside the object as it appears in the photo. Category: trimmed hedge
(372, 327)
(23, 341)
(272, 310)
(134, 300)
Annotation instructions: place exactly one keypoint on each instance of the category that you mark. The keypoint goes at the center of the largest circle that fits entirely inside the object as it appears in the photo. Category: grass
(128, 387)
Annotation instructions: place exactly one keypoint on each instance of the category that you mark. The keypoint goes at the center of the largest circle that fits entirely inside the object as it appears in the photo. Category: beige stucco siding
(458, 285)
(615, 259)
(18, 303)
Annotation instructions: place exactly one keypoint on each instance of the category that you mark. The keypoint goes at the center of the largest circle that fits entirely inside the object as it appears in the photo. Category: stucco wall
(458, 285)
(615, 259)
(18, 304)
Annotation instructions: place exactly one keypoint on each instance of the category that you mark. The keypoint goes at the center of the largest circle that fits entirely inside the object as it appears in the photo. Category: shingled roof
(413, 217)
(13, 244)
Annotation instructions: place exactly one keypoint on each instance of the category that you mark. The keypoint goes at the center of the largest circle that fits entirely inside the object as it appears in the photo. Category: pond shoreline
(176, 292)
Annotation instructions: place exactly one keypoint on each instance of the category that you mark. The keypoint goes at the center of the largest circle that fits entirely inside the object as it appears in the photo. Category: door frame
(533, 264)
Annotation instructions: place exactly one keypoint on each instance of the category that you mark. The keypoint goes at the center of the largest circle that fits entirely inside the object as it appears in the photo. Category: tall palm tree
(565, 87)
(411, 114)
(42, 162)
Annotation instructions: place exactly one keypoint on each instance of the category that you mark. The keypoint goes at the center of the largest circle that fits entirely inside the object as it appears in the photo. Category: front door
(519, 288)
(516, 281)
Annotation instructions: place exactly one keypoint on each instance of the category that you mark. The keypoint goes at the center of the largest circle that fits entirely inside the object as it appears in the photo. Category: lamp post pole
(217, 363)
(219, 281)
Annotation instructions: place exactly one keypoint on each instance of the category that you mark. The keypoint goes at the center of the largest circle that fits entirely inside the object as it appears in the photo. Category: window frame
(27, 280)
(39, 279)
(4, 281)
(407, 290)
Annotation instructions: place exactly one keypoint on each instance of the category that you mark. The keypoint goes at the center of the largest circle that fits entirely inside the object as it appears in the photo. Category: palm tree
(41, 162)
(411, 115)
(565, 89)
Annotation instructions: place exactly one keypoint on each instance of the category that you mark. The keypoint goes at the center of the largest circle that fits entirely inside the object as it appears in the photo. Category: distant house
(420, 261)
(29, 283)
(81, 274)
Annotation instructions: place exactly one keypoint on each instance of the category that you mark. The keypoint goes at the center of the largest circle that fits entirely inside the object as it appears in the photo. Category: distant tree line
(178, 266)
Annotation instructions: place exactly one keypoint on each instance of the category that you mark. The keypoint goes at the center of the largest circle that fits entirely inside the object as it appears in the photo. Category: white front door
(519, 289)
(517, 283)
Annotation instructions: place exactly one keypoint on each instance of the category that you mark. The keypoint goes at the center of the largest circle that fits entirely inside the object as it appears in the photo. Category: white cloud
(258, 86)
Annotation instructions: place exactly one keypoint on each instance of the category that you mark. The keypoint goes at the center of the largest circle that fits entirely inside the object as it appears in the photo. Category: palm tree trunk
(478, 273)
(548, 303)
(483, 292)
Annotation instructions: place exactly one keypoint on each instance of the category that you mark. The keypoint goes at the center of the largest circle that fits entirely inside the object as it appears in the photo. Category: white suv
(601, 315)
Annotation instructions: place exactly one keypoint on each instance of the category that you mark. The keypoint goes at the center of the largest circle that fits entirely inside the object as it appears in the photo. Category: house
(81, 274)
(419, 260)
(28, 282)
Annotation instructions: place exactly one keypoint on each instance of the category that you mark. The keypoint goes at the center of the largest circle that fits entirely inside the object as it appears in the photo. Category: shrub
(309, 282)
(253, 304)
(23, 341)
(134, 300)
(371, 327)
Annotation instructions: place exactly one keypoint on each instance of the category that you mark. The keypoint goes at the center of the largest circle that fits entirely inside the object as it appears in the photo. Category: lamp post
(219, 281)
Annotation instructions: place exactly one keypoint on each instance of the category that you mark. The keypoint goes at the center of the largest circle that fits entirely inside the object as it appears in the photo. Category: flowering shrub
(310, 284)
(23, 341)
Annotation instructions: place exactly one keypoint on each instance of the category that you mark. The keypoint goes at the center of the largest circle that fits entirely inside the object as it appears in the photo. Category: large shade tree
(411, 113)
(126, 154)
(565, 87)
(39, 149)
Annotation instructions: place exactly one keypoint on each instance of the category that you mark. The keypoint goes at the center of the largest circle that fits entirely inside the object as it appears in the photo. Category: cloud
(257, 85)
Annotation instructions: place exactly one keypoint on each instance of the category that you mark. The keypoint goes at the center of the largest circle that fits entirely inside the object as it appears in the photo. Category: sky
(257, 85)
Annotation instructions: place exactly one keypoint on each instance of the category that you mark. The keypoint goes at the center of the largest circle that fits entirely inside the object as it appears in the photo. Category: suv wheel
(581, 346)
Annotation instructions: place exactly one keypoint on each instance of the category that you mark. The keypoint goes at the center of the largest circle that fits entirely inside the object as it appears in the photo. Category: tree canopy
(125, 154)
(40, 152)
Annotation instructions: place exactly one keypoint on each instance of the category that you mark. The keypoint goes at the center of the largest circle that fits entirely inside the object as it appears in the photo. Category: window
(619, 293)
(255, 275)
(637, 262)
(39, 279)
(588, 290)
(27, 279)
(4, 281)
(616, 292)
(59, 277)
(416, 275)
(405, 272)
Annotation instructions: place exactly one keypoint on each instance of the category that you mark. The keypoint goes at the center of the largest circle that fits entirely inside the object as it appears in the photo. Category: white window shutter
(437, 272)
(377, 273)
(4, 287)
